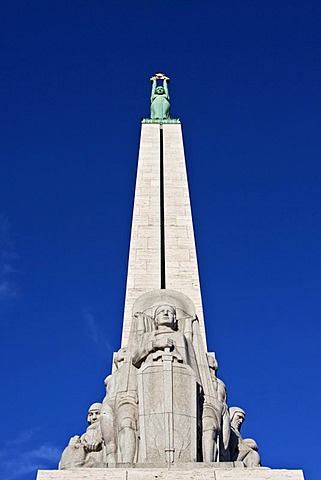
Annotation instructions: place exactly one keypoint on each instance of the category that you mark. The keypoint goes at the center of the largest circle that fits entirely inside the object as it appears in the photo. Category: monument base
(182, 472)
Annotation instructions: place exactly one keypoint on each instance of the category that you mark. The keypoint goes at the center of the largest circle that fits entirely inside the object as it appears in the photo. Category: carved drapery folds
(164, 402)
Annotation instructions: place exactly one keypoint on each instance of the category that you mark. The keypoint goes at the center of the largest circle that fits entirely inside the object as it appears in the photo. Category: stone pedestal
(189, 472)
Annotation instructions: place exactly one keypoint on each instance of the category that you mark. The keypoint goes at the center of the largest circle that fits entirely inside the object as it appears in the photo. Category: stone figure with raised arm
(242, 449)
(160, 106)
(85, 450)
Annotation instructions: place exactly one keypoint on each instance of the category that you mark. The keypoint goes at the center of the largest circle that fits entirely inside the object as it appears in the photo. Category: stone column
(162, 179)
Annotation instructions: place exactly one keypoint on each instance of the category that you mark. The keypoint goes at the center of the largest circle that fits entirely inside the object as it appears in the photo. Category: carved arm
(165, 85)
(154, 85)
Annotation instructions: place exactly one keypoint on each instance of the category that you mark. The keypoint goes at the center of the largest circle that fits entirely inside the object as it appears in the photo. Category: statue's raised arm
(160, 106)
(154, 85)
(165, 86)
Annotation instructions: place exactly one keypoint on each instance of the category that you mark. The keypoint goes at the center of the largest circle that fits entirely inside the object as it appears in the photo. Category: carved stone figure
(242, 449)
(107, 423)
(165, 335)
(215, 420)
(160, 106)
(119, 412)
(87, 450)
(168, 383)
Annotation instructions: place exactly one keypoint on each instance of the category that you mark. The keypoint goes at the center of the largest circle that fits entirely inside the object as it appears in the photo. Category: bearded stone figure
(242, 449)
(85, 450)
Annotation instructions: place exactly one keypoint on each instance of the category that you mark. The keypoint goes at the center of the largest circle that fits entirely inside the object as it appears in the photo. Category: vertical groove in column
(162, 208)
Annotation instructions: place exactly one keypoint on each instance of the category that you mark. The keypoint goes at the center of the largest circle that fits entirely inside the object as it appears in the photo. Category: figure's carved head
(94, 413)
(212, 362)
(107, 381)
(237, 416)
(165, 315)
(159, 90)
(119, 357)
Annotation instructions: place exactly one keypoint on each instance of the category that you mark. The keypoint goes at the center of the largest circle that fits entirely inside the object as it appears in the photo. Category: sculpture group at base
(164, 402)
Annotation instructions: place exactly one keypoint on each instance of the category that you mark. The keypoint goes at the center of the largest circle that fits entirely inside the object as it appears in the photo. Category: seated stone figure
(242, 449)
(85, 450)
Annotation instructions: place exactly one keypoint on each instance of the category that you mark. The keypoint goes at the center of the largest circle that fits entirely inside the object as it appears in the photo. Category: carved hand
(91, 442)
(163, 342)
(92, 446)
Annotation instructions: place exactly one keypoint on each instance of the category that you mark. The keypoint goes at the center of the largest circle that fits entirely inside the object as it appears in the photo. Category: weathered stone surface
(181, 260)
(180, 473)
(167, 411)
(144, 262)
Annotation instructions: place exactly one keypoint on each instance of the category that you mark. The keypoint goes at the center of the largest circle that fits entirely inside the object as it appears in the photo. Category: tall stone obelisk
(162, 246)
(165, 412)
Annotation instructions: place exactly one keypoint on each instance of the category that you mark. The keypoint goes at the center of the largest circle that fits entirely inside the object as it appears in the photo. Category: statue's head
(94, 413)
(119, 357)
(159, 90)
(165, 315)
(237, 416)
(212, 362)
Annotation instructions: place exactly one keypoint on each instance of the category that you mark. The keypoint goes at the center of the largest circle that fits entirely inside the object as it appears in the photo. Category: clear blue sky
(74, 85)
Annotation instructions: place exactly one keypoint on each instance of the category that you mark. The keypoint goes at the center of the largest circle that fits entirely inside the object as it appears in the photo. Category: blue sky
(74, 85)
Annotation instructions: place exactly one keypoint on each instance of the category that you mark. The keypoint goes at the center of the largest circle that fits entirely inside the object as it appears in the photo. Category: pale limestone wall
(180, 253)
(172, 474)
(144, 254)
(181, 260)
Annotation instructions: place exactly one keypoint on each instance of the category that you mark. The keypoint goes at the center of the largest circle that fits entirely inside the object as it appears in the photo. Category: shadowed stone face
(94, 413)
(237, 420)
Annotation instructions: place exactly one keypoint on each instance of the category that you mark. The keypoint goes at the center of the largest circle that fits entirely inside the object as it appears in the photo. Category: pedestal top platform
(199, 472)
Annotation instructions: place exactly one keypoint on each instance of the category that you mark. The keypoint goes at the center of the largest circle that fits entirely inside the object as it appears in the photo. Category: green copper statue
(160, 106)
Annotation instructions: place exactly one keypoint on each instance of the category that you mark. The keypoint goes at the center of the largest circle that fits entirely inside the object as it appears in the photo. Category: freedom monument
(165, 413)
